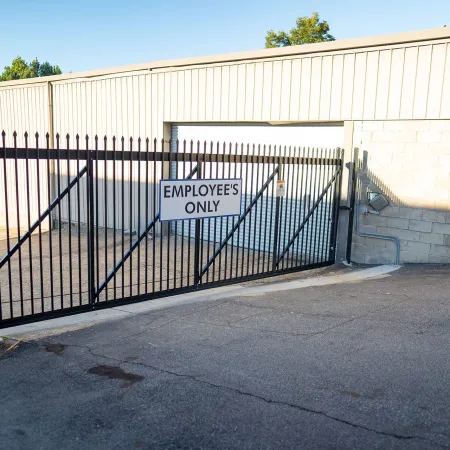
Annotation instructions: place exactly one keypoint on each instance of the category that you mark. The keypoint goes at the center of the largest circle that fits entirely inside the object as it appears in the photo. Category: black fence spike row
(85, 227)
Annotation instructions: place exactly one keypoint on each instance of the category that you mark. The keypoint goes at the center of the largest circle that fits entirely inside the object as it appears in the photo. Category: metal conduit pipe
(384, 237)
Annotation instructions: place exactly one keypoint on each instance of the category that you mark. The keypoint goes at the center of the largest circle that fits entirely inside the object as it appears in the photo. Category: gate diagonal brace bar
(52, 206)
(238, 223)
(135, 244)
(308, 216)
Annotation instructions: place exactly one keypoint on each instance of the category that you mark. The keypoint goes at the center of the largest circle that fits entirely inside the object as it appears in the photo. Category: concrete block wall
(409, 162)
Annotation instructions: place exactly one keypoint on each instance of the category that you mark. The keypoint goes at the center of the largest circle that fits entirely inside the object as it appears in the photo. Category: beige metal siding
(22, 109)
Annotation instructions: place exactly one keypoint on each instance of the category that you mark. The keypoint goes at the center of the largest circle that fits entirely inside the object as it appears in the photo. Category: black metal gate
(81, 227)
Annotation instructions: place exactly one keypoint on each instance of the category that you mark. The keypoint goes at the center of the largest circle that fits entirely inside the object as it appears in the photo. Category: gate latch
(345, 208)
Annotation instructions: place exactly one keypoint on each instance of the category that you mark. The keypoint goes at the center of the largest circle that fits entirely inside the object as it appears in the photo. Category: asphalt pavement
(352, 365)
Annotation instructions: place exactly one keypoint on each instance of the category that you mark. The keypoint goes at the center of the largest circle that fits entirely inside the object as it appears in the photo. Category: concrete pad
(225, 292)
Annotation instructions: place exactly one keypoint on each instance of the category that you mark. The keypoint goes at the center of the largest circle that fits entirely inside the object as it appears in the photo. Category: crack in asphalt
(259, 397)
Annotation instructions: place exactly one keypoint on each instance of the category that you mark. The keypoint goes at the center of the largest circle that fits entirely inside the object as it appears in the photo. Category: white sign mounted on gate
(195, 199)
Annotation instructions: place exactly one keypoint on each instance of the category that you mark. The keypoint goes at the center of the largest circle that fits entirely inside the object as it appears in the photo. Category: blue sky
(94, 34)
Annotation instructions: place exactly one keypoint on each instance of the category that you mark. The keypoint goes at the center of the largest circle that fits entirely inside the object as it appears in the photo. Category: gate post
(353, 168)
(344, 204)
(340, 154)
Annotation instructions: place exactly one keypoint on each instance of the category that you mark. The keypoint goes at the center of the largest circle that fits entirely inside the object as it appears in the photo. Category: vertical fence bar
(139, 218)
(266, 231)
(233, 217)
(324, 212)
(161, 225)
(221, 221)
(80, 286)
(190, 223)
(114, 216)
(256, 210)
(215, 220)
(30, 251)
(202, 223)
(287, 184)
(239, 246)
(197, 279)
(176, 221)
(330, 203)
(49, 198)
(182, 222)
(297, 190)
(244, 231)
(277, 220)
(155, 143)
(38, 181)
(69, 216)
(313, 199)
(168, 226)
(8, 243)
(305, 197)
(123, 214)
(18, 221)
(317, 212)
(90, 217)
(146, 213)
(131, 219)
(105, 187)
(250, 215)
(310, 202)
(61, 277)
(327, 240)
(261, 209)
(293, 201)
(96, 220)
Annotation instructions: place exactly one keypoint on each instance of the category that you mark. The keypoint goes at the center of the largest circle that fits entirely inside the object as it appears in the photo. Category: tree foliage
(307, 30)
(20, 69)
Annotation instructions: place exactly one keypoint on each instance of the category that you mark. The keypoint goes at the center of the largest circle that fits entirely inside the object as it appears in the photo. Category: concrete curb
(77, 321)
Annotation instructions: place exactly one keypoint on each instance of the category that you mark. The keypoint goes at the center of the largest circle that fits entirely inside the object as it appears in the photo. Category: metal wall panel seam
(443, 78)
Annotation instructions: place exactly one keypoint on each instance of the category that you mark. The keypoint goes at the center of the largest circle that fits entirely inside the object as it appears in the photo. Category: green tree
(19, 69)
(308, 30)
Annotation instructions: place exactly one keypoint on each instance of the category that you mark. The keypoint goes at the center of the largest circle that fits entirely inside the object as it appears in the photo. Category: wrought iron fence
(81, 228)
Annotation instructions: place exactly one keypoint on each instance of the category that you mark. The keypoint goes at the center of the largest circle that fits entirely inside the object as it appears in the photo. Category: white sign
(281, 188)
(194, 199)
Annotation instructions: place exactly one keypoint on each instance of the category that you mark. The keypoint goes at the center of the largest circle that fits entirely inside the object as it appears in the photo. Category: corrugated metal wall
(401, 82)
(398, 82)
(407, 81)
(22, 109)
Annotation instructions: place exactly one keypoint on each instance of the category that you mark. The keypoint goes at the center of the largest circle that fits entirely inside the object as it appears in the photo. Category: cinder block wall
(409, 162)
